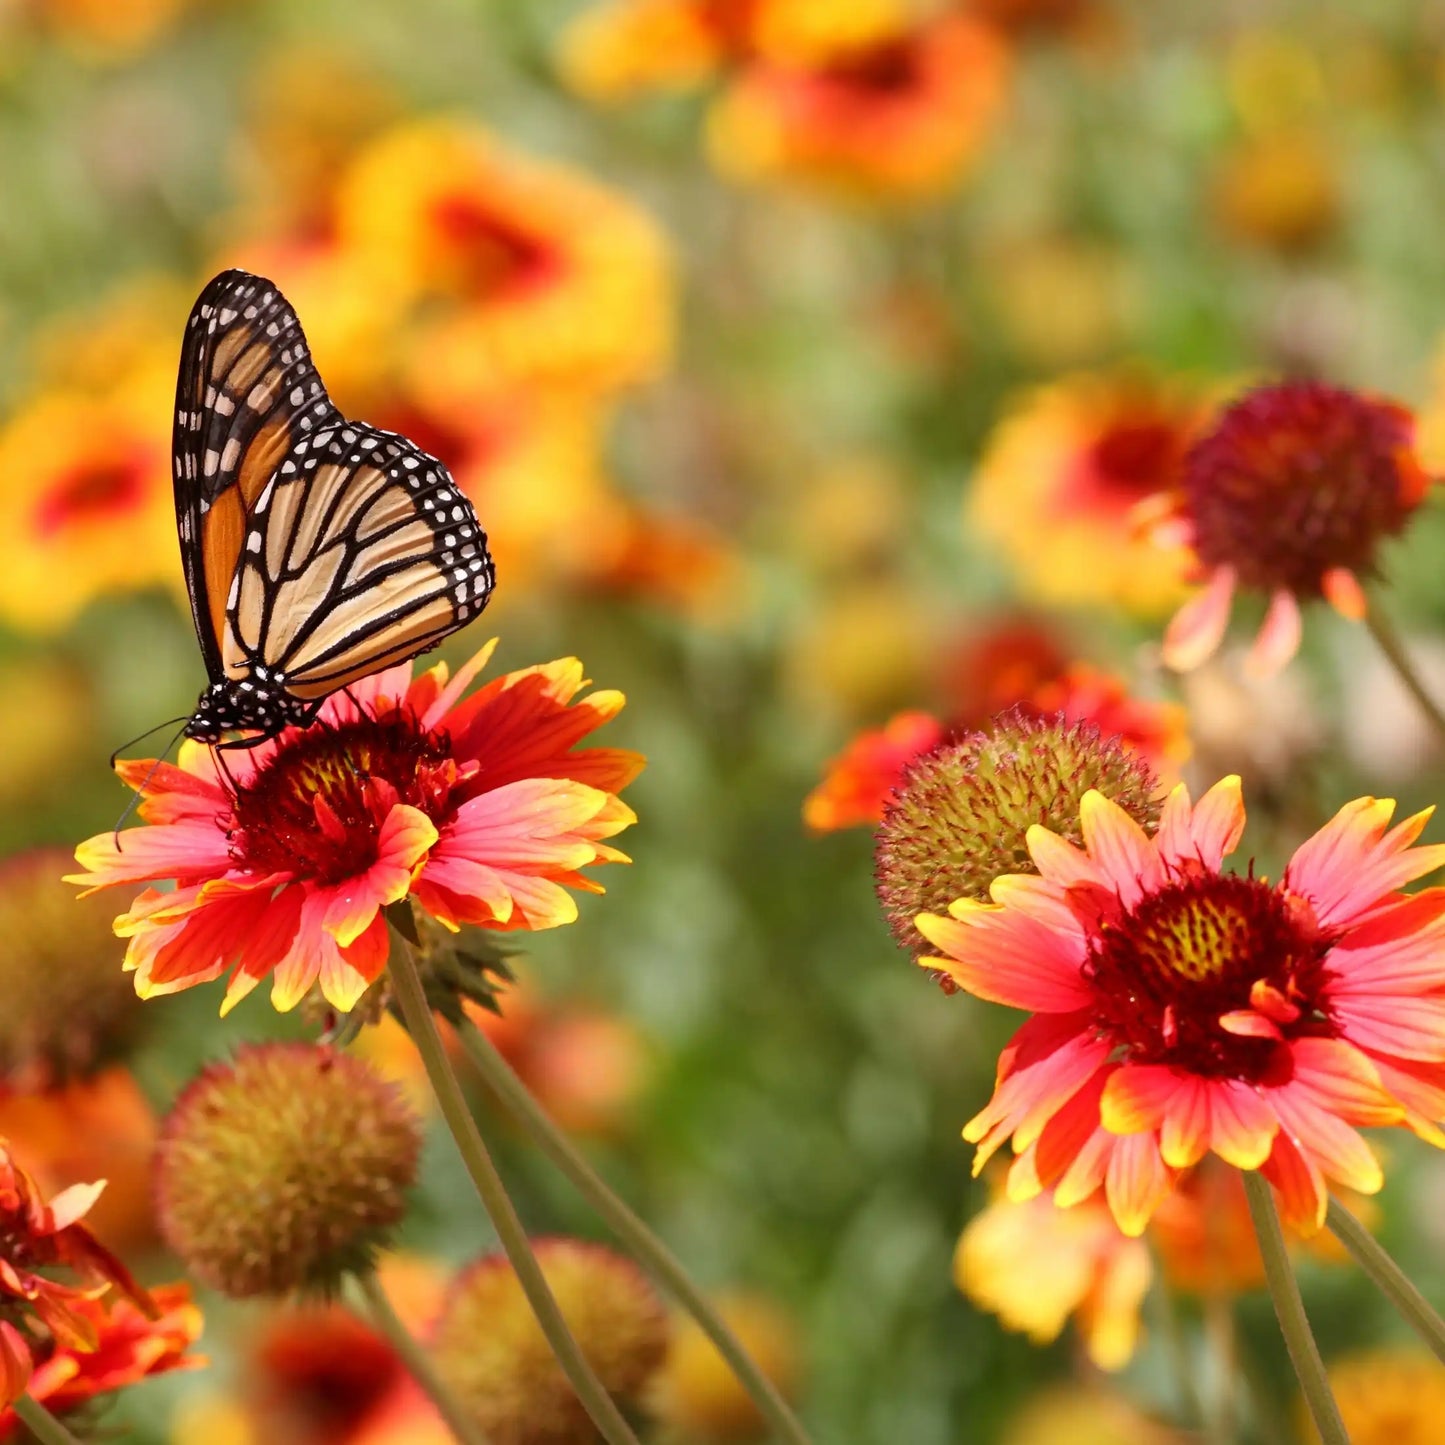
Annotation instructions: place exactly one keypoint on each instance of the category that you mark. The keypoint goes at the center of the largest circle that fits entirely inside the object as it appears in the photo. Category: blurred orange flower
(129, 1345)
(103, 32)
(550, 278)
(1034, 1265)
(857, 783)
(899, 117)
(100, 1127)
(1060, 481)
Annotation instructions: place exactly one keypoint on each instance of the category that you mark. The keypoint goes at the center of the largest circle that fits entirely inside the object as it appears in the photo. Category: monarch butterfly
(316, 550)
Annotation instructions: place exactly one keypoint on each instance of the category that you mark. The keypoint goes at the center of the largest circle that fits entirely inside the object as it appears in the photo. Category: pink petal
(1009, 958)
(1242, 1125)
(188, 852)
(1352, 865)
(1060, 863)
(351, 906)
(1198, 627)
(1278, 639)
(1203, 834)
(1411, 1028)
(1038, 899)
(1129, 861)
(1395, 950)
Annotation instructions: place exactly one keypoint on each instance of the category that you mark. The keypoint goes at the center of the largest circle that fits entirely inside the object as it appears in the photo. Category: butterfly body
(316, 549)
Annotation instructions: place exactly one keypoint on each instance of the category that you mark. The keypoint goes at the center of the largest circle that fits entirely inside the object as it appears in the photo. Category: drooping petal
(1278, 638)
(1197, 629)
(1299, 1184)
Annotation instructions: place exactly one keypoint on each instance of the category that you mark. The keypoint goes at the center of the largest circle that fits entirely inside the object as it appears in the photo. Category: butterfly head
(248, 706)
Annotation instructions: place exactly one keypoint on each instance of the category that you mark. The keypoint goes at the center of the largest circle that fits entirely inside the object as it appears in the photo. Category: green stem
(1294, 1324)
(416, 1013)
(1388, 1277)
(416, 1360)
(41, 1423)
(1388, 641)
(636, 1237)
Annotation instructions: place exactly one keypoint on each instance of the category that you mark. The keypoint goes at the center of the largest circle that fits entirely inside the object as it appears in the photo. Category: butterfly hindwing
(360, 553)
(246, 393)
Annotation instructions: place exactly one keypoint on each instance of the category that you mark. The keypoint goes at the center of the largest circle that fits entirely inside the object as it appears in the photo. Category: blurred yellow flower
(698, 1396)
(85, 496)
(1034, 1265)
(1082, 1415)
(620, 48)
(1280, 191)
(549, 278)
(898, 118)
(1062, 475)
(308, 106)
(1387, 1397)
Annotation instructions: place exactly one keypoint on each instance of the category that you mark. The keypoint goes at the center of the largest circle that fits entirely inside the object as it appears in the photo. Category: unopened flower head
(963, 811)
(1181, 1009)
(284, 1170)
(1289, 495)
(476, 807)
(492, 1354)
(68, 1005)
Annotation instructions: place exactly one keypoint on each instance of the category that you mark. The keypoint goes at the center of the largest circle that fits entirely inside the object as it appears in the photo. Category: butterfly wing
(361, 552)
(247, 393)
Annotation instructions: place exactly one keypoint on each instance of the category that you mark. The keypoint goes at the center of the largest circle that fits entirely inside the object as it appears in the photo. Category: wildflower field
(913, 916)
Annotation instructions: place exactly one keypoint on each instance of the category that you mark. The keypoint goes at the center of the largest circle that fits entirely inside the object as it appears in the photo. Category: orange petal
(1343, 592)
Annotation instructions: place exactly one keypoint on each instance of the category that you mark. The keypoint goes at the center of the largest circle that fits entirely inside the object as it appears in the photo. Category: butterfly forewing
(362, 552)
(246, 393)
(316, 550)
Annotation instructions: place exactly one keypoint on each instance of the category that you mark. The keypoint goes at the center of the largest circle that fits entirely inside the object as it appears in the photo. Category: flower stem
(1290, 1310)
(41, 1423)
(416, 1359)
(1388, 641)
(416, 1012)
(1388, 1277)
(638, 1239)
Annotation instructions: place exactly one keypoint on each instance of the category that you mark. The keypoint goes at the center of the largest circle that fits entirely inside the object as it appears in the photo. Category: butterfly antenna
(126, 746)
(138, 793)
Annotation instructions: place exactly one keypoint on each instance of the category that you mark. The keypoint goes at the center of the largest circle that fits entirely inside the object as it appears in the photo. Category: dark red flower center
(316, 807)
(322, 1372)
(1298, 479)
(494, 255)
(91, 491)
(1210, 974)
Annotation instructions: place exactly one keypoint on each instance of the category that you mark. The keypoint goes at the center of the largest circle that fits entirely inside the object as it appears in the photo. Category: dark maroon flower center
(1210, 974)
(1297, 479)
(315, 808)
(93, 491)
